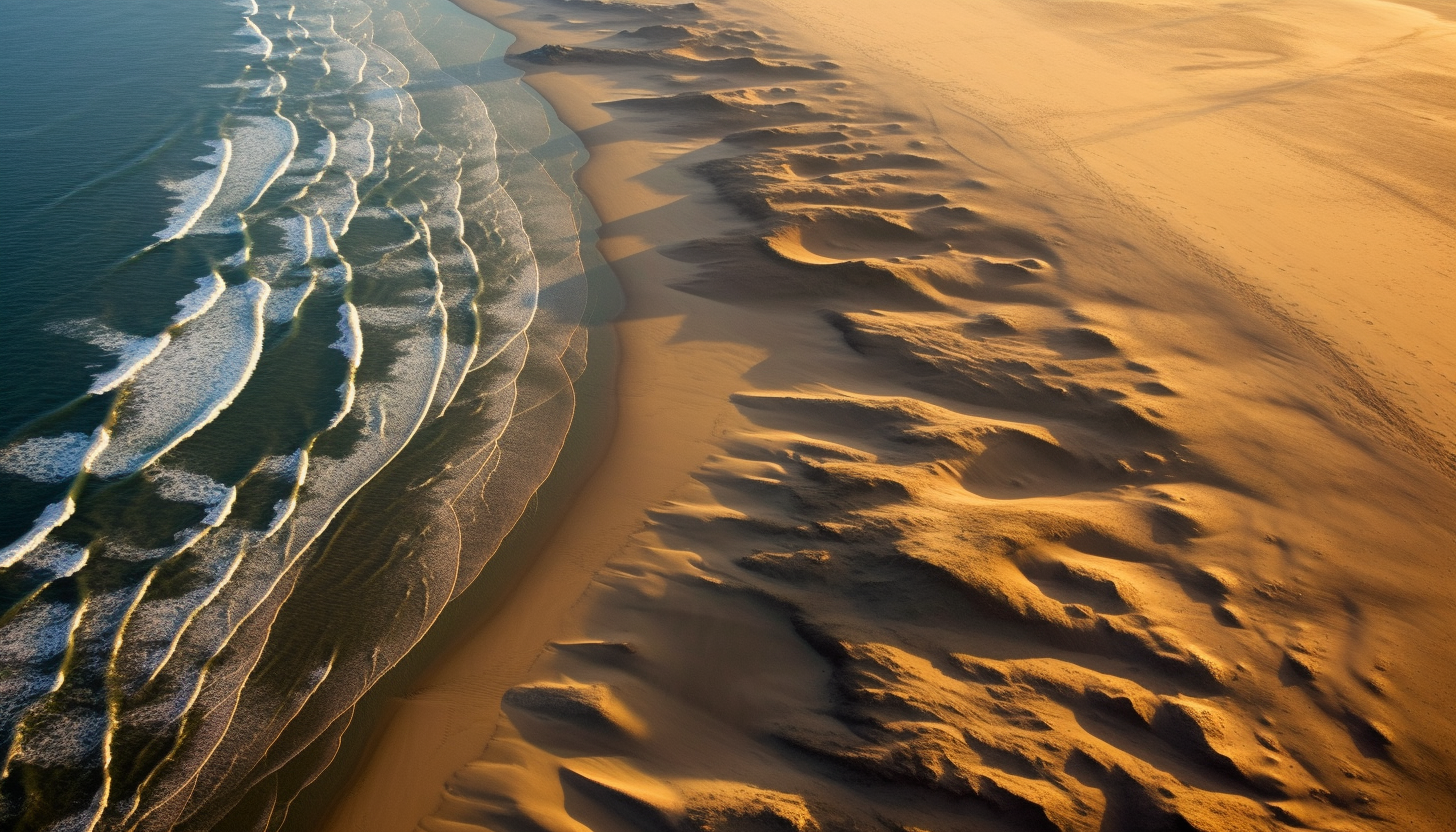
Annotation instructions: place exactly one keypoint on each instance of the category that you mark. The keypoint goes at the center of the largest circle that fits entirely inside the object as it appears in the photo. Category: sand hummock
(1034, 415)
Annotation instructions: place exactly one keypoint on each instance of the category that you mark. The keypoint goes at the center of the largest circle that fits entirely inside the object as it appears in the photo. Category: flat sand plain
(1034, 415)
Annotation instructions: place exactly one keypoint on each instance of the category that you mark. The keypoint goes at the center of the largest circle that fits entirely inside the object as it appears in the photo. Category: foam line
(338, 275)
(209, 288)
(51, 518)
(219, 511)
(194, 196)
(190, 383)
(262, 149)
(296, 467)
(322, 243)
(351, 339)
(264, 47)
(349, 62)
(297, 237)
(179, 381)
(283, 304)
(346, 402)
(355, 148)
(326, 149)
(53, 459)
(336, 201)
(135, 354)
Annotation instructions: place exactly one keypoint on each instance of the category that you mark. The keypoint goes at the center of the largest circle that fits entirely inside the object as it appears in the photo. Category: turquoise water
(292, 310)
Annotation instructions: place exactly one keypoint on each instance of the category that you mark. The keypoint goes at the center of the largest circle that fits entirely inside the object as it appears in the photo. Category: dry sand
(1035, 415)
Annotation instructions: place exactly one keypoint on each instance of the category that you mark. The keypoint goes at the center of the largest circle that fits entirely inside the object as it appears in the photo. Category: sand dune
(975, 471)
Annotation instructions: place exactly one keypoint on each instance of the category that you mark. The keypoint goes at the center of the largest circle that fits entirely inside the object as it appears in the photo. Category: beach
(1030, 415)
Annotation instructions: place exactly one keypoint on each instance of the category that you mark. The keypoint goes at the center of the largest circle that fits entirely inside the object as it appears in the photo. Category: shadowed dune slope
(1026, 513)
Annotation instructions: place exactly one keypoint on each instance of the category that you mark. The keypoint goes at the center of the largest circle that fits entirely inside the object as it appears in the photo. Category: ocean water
(292, 310)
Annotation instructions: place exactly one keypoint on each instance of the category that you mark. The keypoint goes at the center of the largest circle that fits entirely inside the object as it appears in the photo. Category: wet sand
(1032, 415)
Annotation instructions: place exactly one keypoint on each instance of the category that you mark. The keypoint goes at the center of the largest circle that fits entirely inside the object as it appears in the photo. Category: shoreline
(684, 418)
(533, 140)
(611, 498)
(387, 700)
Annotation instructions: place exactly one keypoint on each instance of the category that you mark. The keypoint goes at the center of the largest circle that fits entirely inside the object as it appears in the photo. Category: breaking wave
(369, 331)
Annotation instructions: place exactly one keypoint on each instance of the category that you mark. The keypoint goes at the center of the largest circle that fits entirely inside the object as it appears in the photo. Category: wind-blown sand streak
(960, 483)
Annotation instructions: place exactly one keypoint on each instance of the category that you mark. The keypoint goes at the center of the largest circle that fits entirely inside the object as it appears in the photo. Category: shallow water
(293, 303)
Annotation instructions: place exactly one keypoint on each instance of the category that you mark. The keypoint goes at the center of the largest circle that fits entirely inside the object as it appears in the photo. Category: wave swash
(258, 508)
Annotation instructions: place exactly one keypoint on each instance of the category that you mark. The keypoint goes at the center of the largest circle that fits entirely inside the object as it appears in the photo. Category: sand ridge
(1005, 508)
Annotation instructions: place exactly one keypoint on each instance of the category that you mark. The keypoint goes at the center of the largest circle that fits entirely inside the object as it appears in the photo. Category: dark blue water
(97, 102)
(292, 295)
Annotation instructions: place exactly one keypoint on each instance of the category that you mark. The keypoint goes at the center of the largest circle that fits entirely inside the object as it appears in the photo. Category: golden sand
(1034, 415)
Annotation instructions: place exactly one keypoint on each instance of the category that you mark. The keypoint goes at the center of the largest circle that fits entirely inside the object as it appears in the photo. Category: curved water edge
(262, 501)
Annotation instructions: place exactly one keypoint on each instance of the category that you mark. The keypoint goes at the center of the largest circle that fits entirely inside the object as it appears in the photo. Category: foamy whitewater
(279, 430)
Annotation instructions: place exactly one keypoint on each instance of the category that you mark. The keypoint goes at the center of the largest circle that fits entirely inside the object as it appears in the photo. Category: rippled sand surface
(1034, 416)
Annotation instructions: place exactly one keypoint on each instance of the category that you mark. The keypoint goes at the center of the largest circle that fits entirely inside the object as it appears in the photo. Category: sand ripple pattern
(968, 565)
(174, 654)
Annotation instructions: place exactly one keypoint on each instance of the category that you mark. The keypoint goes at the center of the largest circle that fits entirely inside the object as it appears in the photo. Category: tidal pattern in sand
(284, 359)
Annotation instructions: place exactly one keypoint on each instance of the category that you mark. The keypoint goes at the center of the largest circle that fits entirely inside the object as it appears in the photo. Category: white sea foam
(39, 631)
(50, 519)
(158, 624)
(458, 358)
(241, 84)
(355, 149)
(346, 402)
(283, 304)
(57, 560)
(36, 635)
(263, 47)
(325, 150)
(135, 554)
(292, 467)
(307, 168)
(181, 486)
(321, 242)
(347, 60)
(297, 237)
(194, 195)
(334, 199)
(195, 303)
(54, 459)
(249, 7)
(270, 87)
(71, 738)
(282, 510)
(219, 511)
(410, 210)
(398, 317)
(134, 353)
(277, 85)
(337, 275)
(388, 107)
(47, 458)
(262, 148)
(207, 618)
(391, 412)
(351, 339)
(190, 382)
